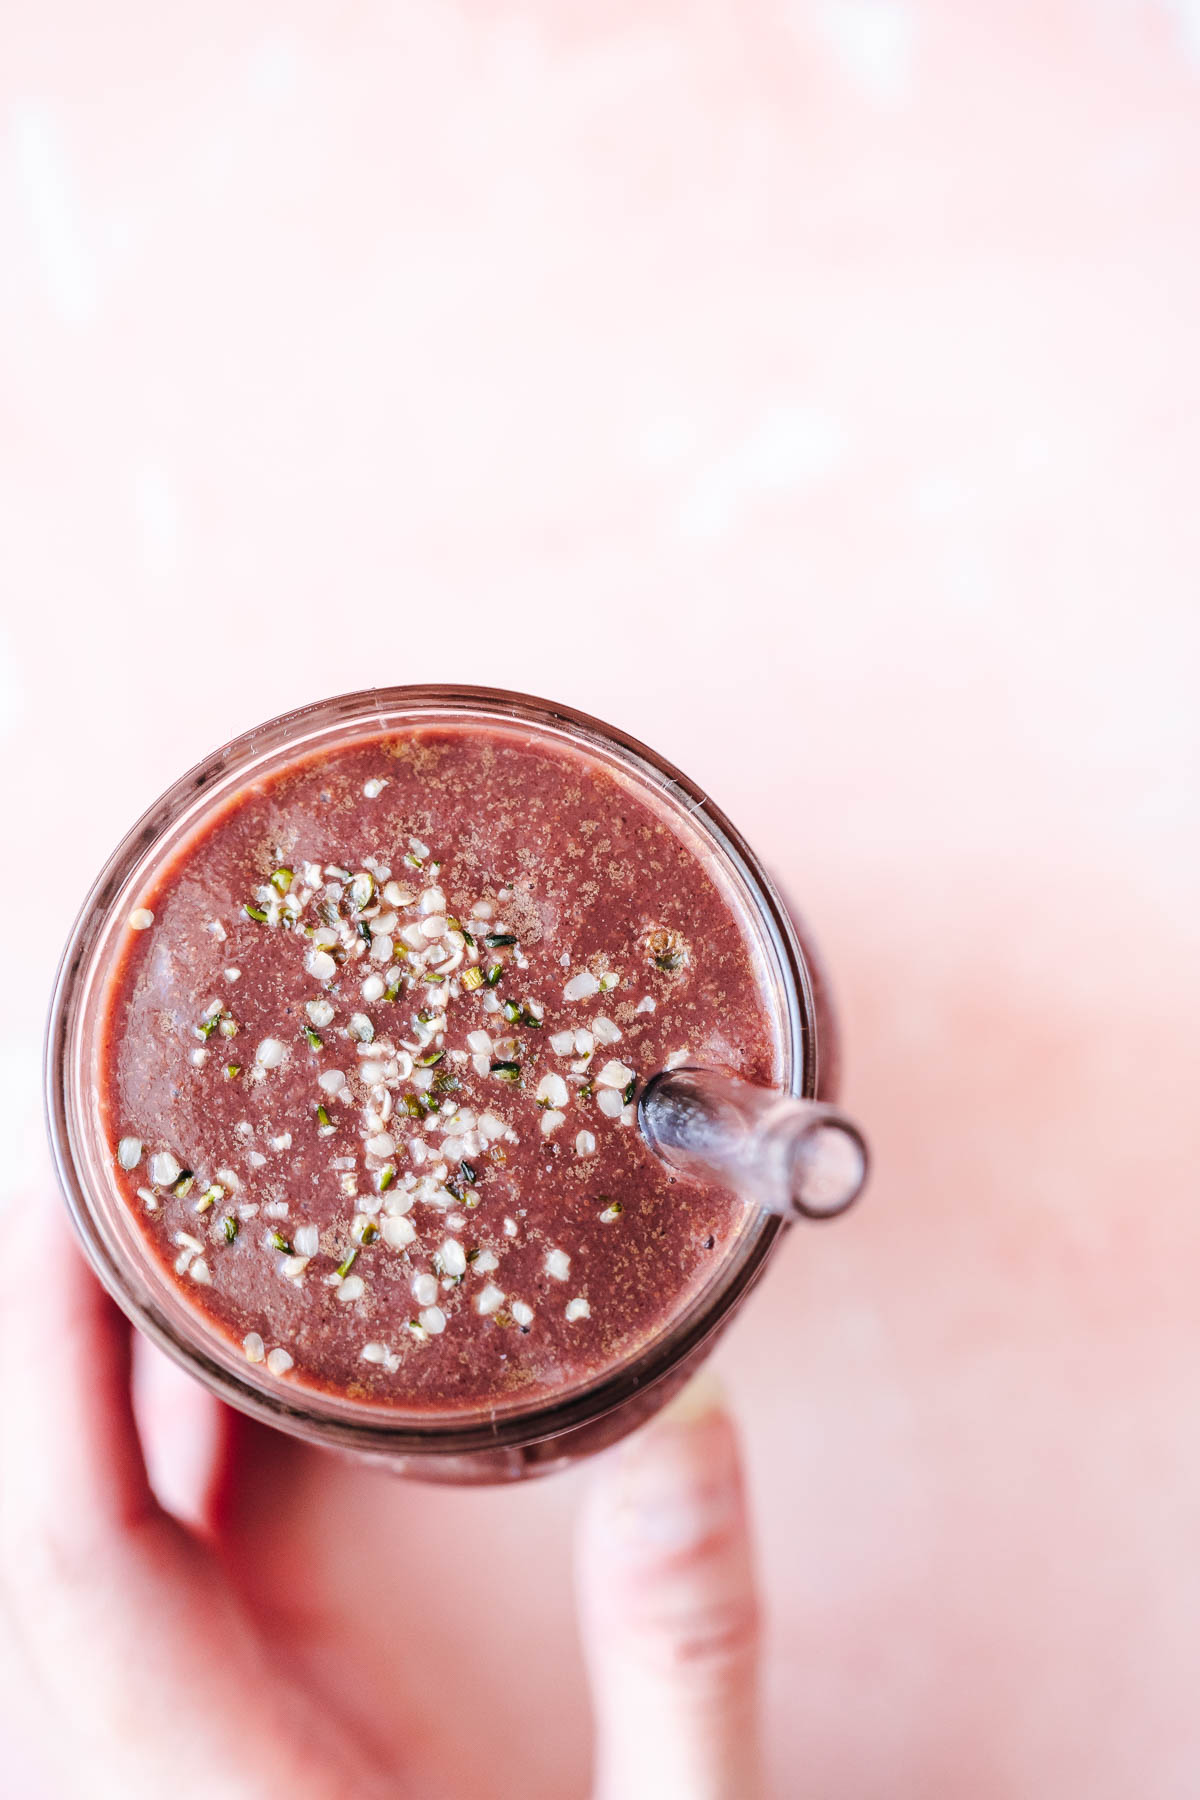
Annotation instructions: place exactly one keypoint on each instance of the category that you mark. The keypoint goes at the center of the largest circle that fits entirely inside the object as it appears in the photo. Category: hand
(156, 1668)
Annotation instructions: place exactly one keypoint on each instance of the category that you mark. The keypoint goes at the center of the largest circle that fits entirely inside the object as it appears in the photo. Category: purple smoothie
(371, 1057)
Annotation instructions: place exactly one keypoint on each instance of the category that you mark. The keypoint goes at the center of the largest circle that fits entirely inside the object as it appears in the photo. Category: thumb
(669, 1611)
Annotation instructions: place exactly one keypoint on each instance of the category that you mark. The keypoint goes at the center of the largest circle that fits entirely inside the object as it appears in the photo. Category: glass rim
(306, 1412)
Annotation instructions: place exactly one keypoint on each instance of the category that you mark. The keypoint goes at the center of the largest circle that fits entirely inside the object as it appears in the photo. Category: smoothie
(370, 1060)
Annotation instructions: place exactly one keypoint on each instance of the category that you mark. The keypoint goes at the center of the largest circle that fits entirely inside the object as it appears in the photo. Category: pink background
(812, 389)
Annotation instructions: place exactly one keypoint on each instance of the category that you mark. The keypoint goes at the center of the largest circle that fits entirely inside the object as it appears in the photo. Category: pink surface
(811, 389)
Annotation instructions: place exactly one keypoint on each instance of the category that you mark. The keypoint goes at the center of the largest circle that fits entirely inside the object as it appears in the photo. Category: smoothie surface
(371, 1057)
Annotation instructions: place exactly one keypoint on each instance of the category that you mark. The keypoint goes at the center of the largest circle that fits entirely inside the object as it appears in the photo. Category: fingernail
(703, 1395)
(675, 1483)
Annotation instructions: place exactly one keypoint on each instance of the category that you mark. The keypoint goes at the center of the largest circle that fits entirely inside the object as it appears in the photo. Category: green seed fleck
(281, 880)
(279, 1242)
(230, 1227)
(345, 1268)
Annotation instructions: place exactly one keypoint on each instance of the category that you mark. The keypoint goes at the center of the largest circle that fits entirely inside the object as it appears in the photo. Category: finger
(669, 1611)
(185, 1435)
(65, 1413)
(107, 1590)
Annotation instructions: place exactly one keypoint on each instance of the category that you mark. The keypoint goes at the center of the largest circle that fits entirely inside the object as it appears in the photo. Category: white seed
(270, 1053)
(351, 1288)
(381, 949)
(433, 928)
(433, 901)
(374, 1353)
(578, 1309)
(614, 1075)
(553, 1089)
(129, 1152)
(164, 1168)
(608, 981)
(563, 1043)
(333, 1080)
(282, 1142)
(149, 1199)
(292, 1267)
(372, 1071)
(320, 1011)
(372, 789)
(396, 895)
(233, 974)
(510, 1228)
(585, 1043)
(522, 1312)
(279, 1362)
(557, 1264)
(398, 1233)
(360, 1027)
(485, 1262)
(489, 1299)
(479, 1042)
(605, 1032)
(424, 1289)
(397, 1201)
(585, 1144)
(491, 1001)
(199, 1271)
(491, 1127)
(320, 964)
(373, 988)
(629, 1114)
(325, 936)
(254, 1347)
(453, 1257)
(256, 1159)
(306, 1240)
(610, 1102)
(646, 1004)
(382, 1144)
(362, 890)
(141, 918)
(581, 986)
(551, 1121)
(481, 1064)
(433, 1319)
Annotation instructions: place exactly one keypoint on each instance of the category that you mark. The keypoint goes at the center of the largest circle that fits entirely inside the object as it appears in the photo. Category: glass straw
(797, 1158)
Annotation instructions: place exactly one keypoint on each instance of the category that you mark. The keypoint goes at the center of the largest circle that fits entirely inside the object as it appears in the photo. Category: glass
(496, 1443)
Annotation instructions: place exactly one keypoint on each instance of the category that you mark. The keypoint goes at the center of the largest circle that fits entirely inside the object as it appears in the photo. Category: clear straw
(797, 1158)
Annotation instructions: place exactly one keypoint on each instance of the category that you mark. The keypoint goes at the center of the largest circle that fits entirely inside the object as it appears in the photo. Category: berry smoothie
(370, 1060)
